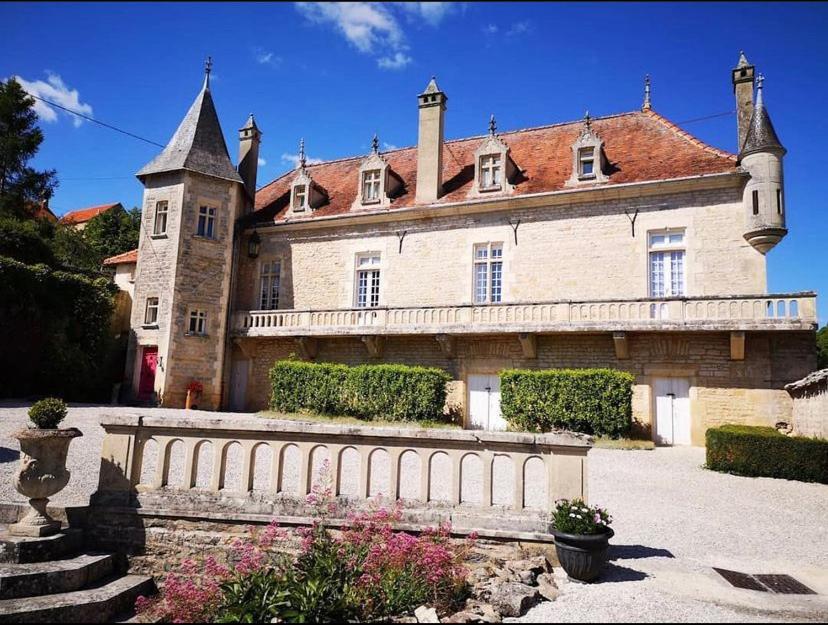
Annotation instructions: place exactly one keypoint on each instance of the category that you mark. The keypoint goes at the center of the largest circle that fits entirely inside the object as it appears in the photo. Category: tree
(72, 250)
(113, 232)
(822, 347)
(20, 138)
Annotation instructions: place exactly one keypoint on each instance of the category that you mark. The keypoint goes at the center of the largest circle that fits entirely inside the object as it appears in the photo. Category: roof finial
(375, 144)
(587, 120)
(208, 67)
(302, 160)
(492, 126)
(647, 104)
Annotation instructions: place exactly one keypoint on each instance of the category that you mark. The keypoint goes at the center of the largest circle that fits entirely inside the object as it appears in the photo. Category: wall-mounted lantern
(253, 245)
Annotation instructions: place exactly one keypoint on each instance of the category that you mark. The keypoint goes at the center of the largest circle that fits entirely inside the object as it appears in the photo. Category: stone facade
(810, 404)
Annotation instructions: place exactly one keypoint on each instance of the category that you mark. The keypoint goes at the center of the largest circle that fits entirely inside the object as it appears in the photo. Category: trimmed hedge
(764, 452)
(592, 401)
(373, 392)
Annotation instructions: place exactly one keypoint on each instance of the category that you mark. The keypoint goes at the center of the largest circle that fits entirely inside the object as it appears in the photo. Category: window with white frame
(269, 280)
(300, 197)
(367, 280)
(151, 312)
(206, 222)
(161, 212)
(490, 169)
(371, 185)
(488, 273)
(586, 162)
(667, 266)
(198, 322)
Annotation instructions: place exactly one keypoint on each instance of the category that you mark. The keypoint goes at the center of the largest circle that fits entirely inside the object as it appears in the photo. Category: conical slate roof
(761, 135)
(198, 144)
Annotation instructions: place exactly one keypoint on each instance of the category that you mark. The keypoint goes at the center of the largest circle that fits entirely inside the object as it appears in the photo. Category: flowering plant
(195, 387)
(575, 517)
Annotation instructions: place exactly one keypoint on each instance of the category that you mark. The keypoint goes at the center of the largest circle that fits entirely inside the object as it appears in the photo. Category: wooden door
(149, 362)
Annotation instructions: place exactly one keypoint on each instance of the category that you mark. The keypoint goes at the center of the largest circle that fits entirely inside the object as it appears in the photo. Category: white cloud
(388, 146)
(519, 28)
(397, 61)
(431, 12)
(490, 29)
(293, 159)
(55, 89)
(266, 57)
(262, 162)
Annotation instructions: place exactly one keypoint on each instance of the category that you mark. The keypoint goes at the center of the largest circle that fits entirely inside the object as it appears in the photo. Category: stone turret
(742, 77)
(764, 197)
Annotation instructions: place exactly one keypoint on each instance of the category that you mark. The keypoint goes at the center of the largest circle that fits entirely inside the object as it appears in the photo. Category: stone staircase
(54, 580)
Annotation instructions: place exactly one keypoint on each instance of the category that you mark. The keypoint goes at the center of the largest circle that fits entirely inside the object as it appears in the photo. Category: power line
(92, 119)
(699, 119)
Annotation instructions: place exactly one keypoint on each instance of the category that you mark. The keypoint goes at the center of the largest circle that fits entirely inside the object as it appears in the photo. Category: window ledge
(159, 236)
(587, 177)
(149, 326)
(496, 187)
(368, 202)
(201, 237)
(197, 335)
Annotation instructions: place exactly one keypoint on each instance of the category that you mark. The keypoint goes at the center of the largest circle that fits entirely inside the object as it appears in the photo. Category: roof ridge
(687, 136)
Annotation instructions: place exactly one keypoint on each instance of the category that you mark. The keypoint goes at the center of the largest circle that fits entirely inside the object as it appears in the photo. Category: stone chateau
(620, 241)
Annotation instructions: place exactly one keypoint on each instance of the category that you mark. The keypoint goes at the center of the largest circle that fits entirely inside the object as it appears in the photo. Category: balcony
(796, 311)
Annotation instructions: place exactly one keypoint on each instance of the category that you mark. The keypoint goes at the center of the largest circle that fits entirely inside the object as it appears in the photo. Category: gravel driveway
(674, 521)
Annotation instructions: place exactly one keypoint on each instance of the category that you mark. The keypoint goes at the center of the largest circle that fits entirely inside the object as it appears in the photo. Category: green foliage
(54, 332)
(47, 413)
(113, 232)
(72, 250)
(592, 401)
(20, 138)
(373, 392)
(822, 347)
(764, 452)
(575, 517)
(28, 241)
(254, 598)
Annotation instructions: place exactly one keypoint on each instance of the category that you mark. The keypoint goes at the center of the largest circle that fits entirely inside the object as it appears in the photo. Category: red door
(149, 360)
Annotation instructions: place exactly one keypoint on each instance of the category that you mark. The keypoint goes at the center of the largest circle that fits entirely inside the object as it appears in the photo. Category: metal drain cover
(780, 584)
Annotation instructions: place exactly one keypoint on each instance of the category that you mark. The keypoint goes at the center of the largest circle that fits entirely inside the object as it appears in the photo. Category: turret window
(586, 159)
(779, 201)
(371, 185)
(151, 312)
(300, 197)
(160, 224)
(198, 323)
(206, 222)
(490, 171)
(755, 197)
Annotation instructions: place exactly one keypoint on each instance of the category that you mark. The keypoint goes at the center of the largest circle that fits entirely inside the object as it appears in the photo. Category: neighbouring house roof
(198, 144)
(813, 380)
(122, 259)
(640, 146)
(41, 210)
(83, 215)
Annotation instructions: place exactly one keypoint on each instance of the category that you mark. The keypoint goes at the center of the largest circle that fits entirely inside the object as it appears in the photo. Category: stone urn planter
(582, 556)
(42, 474)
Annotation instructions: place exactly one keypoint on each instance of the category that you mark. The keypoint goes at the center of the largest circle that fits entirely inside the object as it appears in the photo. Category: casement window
(206, 222)
(371, 185)
(198, 322)
(488, 273)
(779, 201)
(151, 312)
(269, 280)
(160, 223)
(586, 163)
(367, 280)
(490, 171)
(755, 201)
(300, 197)
(667, 270)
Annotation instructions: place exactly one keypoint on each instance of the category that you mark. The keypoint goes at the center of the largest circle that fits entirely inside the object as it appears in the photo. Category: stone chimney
(249, 139)
(432, 104)
(743, 77)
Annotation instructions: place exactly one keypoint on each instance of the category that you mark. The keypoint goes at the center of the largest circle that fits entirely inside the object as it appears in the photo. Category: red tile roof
(85, 214)
(121, 259)
(639, 146)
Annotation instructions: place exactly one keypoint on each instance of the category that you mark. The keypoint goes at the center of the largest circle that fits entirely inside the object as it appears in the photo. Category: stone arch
(319, 466)
(174, 464)
(149, 461)
(535, 484)
(471, 479)
(379, 473)
(203, 460)
(350, 463)
(503, 480)
(261, 467)
(232, 467)
(409, 470)
(290, 460)
(439, 476)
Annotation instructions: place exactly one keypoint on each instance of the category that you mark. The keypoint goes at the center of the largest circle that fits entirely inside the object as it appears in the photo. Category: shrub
(592, 401)
(47, 413)
(764, 452)
(375, 392)
(575, 517)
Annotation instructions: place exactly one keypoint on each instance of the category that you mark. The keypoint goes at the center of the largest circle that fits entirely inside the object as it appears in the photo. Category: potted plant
(194, 390)
(42, 471)
(582, 536)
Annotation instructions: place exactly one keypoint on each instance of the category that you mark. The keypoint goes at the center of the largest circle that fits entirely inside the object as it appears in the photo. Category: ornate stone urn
(42, 474)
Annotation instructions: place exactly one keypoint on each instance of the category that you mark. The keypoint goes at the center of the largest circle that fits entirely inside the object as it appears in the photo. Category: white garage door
(672, 397)
(484, 403)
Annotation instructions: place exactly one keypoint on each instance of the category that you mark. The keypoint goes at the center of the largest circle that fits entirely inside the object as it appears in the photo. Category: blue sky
(335, 74)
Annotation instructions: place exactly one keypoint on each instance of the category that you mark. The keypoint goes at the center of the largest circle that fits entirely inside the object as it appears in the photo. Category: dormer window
(495, 169)
(300, 197)
(587, 156)
(371, 186)
(304, 192)
(586, 160)
(490, 168)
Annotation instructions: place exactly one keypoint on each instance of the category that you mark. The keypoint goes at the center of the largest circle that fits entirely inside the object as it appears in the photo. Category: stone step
(91, 605)
(25, 549)
(48, 578)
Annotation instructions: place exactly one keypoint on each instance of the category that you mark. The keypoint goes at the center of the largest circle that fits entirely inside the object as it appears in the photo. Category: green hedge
(764, 452)
(592, 401)
(375, 392)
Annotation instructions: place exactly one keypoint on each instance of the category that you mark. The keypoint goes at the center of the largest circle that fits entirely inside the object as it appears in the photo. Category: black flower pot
(582, 555)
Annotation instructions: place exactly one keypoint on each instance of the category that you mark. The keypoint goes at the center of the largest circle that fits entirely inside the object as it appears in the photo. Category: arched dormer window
(377, 182)
(494, 168)
(305, 195)
(587, 156)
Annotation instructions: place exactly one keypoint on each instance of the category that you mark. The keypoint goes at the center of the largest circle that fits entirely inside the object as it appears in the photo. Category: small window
(269, 282)
(371, 186)
(300, 195)
(755, 196)
(779, 201)
(667, 270)
(151, 312)
(367, 280)
(160, 225)
(206, 222)
(586, 163)
(488, 273)
(490, 171)
(198, 323)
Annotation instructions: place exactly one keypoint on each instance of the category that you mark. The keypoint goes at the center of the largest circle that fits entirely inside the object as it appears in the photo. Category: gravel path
(673, 522)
